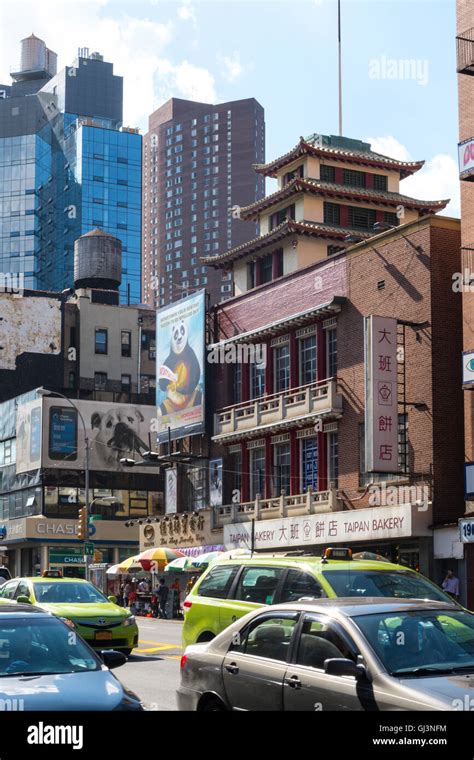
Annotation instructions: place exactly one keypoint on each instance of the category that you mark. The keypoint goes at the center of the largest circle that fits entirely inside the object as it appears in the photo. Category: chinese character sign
(381, 396)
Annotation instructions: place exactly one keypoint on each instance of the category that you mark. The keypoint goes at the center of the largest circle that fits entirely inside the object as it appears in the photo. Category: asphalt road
(152, 670)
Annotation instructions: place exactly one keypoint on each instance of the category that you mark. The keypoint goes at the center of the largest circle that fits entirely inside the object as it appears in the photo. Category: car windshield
(42, 646)
(400, 583)
(421, 643)
(67, 592)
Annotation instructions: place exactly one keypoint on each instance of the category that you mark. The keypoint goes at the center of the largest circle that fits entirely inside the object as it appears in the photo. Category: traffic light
(83, 533)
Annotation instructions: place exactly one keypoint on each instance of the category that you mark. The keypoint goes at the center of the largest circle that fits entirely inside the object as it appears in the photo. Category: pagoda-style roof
(289, 227)
(339, 149)
(334, 190)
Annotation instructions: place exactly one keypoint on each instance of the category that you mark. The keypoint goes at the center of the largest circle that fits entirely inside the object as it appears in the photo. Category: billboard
(381, 394)
(180, 346)
(51, 434)
(28, 434)
(467, 367)
(466, 159)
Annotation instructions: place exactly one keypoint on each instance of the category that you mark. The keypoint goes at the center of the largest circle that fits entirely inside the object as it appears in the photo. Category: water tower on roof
(97, 261)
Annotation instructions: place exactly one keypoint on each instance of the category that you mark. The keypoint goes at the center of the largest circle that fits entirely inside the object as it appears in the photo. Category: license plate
(103, 635)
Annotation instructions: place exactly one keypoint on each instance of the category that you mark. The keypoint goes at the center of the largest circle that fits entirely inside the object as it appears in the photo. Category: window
(331, 347)
(319, 641)
(307, 356)
(257, 380)
(289, 176)
(380, 182)
(281, 357)
(281, 475)
(22, 590)
(8, 590)
(237, 395)
(327, 173)
(361, 218)
(280, 216)
(266, 268)
(309, 463)
(390, 217)
(257, 472)
(236, 468)
(269, 638)
(333, 460)
(126, 343)
(101, 341)
(298, 584)
(332, 213)
(217, 584)
(100, 381)
(354, 178)
(258, 584)
(126, 382)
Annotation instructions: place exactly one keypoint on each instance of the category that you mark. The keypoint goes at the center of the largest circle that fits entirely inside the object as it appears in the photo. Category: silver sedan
(335, 654)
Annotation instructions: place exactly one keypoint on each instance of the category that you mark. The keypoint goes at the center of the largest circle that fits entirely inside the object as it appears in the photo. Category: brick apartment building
(291, 429)
(197, 166)
(465, 69)
(311, 322)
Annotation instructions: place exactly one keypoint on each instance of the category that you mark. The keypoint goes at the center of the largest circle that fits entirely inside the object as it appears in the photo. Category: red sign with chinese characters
(381, 395)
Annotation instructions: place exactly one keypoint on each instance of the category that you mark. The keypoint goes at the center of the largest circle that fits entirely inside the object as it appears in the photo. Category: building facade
(291, 428)
(197, 174)
(67, 164)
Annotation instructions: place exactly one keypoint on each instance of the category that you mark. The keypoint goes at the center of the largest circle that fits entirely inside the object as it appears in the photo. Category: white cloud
(233, 68)
(389, 146)
(185, 80)
(187, 11)
(437, 180)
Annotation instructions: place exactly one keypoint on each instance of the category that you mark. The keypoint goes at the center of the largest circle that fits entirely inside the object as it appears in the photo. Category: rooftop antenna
(339, 63)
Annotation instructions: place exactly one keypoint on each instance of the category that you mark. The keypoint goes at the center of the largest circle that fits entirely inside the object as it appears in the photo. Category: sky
(398, 63)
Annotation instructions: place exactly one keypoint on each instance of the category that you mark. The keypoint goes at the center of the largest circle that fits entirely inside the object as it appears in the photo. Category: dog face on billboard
(117, 435)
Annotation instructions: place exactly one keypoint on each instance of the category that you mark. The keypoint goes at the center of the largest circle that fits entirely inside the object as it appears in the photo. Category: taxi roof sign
(337, 553)
(51, 574)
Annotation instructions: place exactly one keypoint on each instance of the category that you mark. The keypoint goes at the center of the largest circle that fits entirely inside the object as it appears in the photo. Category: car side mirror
(339, 666)
(112, 599)
(22, 599)
(112, 658)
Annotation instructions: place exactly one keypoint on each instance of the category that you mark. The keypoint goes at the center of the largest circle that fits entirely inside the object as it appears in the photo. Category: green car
(100, 621)
(229, 589)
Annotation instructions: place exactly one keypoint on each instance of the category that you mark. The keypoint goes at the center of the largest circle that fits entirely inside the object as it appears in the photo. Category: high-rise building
(67, 165)
(197, 163)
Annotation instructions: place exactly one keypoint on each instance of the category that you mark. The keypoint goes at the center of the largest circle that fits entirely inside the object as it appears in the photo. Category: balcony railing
(279, 410)
(465, 53)
(310, 503)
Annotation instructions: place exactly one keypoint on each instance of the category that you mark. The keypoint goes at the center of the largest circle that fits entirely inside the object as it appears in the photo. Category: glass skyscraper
(67, 165)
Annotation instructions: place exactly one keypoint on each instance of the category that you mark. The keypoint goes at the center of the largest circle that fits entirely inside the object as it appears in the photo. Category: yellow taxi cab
(231, 588)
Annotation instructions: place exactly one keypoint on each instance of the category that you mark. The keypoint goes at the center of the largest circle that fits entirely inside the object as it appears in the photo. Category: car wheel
(206, 636)
(213, 704)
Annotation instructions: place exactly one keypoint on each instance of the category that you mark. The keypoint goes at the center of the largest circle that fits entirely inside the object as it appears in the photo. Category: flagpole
(340, 63)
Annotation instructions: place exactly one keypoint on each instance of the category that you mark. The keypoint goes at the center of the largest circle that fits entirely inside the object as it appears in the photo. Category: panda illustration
(179, 374)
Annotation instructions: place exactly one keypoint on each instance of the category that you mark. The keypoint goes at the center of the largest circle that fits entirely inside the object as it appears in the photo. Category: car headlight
(68, 622)
(129, 621)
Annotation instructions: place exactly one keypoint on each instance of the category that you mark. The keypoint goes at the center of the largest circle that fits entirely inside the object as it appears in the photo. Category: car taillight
(187, 604)
(183, 662)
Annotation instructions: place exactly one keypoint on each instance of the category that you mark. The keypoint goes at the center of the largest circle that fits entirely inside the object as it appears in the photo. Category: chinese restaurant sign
(381, 395)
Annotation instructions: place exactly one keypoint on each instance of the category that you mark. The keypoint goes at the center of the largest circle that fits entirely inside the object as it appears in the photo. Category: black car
(46, 665)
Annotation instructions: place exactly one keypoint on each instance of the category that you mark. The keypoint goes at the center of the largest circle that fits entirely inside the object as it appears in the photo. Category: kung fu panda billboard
(180, 347)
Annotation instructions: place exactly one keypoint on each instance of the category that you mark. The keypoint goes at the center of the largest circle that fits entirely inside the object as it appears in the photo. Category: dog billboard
(180, 339)
(115, 431)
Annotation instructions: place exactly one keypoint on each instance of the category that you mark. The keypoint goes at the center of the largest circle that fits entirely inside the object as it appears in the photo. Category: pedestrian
(126, 591)
(190, 583)
(162, 594)
(177, 598)
(143, 586)
(451, 585)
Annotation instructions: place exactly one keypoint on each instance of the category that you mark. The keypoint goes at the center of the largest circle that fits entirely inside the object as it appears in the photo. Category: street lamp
(44, 392)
